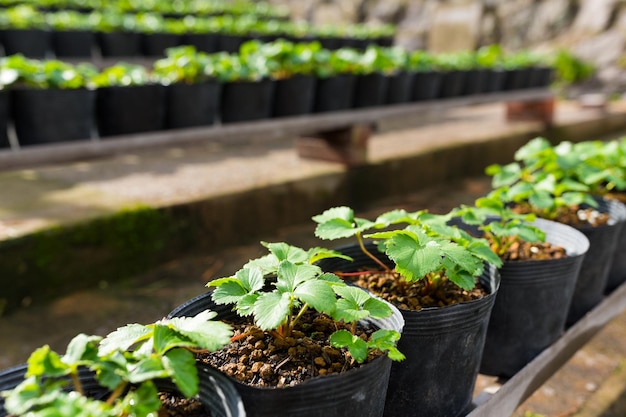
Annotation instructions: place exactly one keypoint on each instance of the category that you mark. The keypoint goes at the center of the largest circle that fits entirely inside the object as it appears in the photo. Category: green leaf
(271, 310)
(318, 294)
(377, 308)
(204, 332)
(44, 361)
(81, 347)
(166, 338)
(285, 252)
(413, 259)
(147, 369)
(463, 279)
(356, 346)
(335, 229)
(290, 275)
(123, 338)
(317, 254)
(141, 402)
(181, 364)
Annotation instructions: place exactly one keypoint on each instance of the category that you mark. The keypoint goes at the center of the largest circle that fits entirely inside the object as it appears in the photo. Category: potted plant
(8, 76)
(399, 79)
(443, 280)
(335, 71)
(426, 79)
(136, 370)
(538, 182)
(454, 69)
(371, 80)
(129, 100)
(24, 31)
(72, 35)
(247, 89)
(305, 343)
(291, 66)
(193, 92)
(541, 262)
(117, 34)
(602, 167)
(489, 58)
(52, 101)
(157, 34)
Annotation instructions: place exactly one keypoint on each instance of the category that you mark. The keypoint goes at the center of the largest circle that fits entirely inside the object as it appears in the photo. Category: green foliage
(277, 289)
(283, 58)
(183, 64)
(45, 73)
(70, 20)
(131, 356)
(570, 69)
(122, 75)
(22, 16)
(542, 178)
(499, 223)
(427, 248)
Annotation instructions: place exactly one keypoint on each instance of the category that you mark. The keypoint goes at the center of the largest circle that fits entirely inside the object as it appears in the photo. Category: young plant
(183, 64)
(499, 224)
(127, 362)
(426, 249)
(122, 75)
(277, 289)
(47, 73)
(541, 180)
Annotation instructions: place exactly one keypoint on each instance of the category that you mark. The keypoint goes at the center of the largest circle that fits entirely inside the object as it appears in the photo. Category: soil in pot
(73, 44)
(443, 345)
(294, 96)
(357, 392)
(133, 109)
(370, 90)
(246, 100)
(536, 289)
(190, 105)
(334, 93)
(32, 43)
(120, 44)
(426, 85)
(48, 116)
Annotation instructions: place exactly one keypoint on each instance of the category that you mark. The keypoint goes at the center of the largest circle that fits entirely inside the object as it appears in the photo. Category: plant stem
(116, 393)
(77, 384)
(368, 253)
(300, 313)
(355, 274)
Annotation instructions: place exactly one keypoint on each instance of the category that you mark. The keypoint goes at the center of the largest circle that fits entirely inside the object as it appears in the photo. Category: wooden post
(347, 146)
(541, 110)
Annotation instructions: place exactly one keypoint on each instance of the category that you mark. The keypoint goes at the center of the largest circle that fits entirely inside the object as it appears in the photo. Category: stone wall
(592, 29)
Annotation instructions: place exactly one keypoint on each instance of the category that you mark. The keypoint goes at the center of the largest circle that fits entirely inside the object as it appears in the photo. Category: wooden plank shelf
(503, 399)
(267, 129)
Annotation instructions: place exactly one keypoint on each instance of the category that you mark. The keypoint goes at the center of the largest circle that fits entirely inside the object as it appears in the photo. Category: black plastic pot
(443, 347)
(294, 96)
(203, 42)
(330, 42)
(493, 81)
(358, 392)
(155, 44)
(516, 79)
(32, 43)
(246, 100)
(334, 93)
(399, 87)
(370, 90)
(452, 84)
(133, 109)
(216, 392)
(52, 115)
(474, 82)
(4, 118)
(594, 272)
(231, 43)
(426, 85)
(533, 302)
(191, 105)
(73, 43)
(617, 273)
(540, 77)
(126, 44)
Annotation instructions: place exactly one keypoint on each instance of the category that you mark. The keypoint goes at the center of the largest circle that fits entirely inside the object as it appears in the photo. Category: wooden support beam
(347, 146)
(540, 110)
